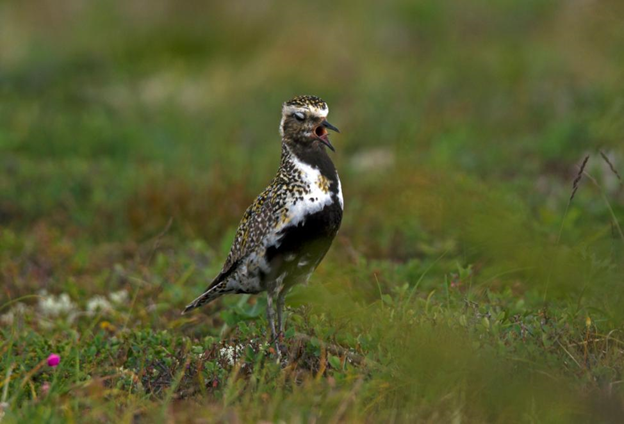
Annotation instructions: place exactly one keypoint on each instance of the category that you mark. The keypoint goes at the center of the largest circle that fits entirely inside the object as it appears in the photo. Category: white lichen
(119, 297)
(55, 306)
(231, 353)
(8, 318)
(3, 407)
(98, 304)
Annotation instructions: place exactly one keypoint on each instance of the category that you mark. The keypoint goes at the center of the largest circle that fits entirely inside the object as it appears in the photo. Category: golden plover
(287, 230)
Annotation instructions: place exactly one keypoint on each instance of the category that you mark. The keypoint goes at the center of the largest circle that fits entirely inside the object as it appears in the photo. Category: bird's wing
(257, 222)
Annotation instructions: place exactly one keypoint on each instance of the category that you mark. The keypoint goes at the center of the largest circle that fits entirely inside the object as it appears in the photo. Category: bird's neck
(315, 157)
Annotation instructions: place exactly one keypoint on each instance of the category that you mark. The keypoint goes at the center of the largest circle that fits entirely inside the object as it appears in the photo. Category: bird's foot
(281, 351)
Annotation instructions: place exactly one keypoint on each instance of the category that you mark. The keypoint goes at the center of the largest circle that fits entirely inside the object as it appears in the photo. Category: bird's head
(304, 123)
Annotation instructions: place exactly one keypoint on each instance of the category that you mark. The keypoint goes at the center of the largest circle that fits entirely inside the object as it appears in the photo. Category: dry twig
(575, 184)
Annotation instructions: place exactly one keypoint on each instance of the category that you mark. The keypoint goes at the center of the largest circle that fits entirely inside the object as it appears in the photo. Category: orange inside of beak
(320, 131)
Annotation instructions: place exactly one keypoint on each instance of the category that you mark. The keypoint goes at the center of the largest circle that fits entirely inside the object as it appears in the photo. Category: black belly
(308, 242)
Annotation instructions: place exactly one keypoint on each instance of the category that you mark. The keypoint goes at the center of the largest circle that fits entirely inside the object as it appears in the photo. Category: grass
(465, 284)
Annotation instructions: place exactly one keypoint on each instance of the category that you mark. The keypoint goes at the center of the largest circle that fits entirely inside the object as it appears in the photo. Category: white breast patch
(312, 202)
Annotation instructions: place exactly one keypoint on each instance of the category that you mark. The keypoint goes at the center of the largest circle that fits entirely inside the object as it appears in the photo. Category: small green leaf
(335, 362)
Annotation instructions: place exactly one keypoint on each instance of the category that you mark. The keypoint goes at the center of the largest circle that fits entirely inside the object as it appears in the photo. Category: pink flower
(54, 360)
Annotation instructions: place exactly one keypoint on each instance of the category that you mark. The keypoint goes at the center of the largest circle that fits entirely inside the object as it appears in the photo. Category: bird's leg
(271, 319)
(271, 315)
(281, 300)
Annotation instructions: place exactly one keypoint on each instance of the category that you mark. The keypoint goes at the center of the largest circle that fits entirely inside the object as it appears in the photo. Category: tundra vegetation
(478, 274)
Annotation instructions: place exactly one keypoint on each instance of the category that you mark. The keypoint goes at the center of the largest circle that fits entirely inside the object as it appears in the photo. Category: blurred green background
(134, 134)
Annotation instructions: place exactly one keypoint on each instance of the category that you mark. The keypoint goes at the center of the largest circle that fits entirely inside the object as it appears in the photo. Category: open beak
(321, 134)
(330, 126)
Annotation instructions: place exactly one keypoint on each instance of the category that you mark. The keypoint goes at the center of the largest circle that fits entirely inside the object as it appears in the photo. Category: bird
(286, 232)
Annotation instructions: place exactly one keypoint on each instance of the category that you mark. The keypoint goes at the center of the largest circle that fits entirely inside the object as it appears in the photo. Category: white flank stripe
(340, 199)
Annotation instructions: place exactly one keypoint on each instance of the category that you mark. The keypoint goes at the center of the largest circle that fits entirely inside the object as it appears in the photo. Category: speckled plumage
(286, 231)
(307, 102)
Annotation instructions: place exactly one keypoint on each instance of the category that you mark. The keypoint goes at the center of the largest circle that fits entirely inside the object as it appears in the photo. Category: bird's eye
(300, 116)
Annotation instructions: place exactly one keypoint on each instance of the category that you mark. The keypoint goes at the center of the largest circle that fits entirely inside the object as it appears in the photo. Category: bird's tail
(208, 296)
